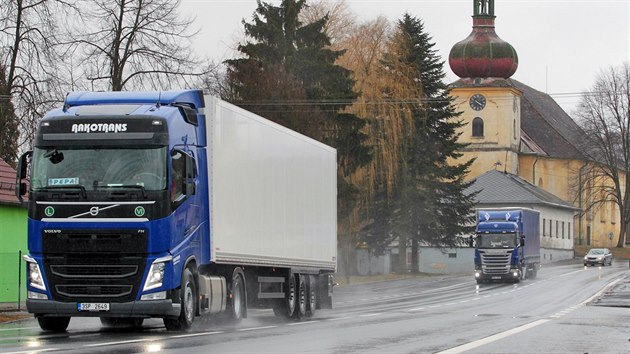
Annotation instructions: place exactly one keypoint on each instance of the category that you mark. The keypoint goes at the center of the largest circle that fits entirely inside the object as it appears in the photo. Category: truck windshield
(496, 241)
(93, 169)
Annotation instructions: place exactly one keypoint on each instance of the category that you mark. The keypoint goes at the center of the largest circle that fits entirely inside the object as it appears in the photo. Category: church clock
(477, 102)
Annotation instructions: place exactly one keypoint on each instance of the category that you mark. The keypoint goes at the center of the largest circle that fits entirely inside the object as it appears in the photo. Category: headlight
(586, 258)
(156, 273)
(35, 277)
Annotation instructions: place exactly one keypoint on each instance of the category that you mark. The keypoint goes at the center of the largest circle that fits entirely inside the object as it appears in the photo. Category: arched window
(477, 126)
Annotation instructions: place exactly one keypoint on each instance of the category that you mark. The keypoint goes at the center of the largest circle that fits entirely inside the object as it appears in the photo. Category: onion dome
(483, 54)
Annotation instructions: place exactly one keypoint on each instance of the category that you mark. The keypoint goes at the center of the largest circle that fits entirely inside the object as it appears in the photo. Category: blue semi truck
(174, 205)
(507, 244)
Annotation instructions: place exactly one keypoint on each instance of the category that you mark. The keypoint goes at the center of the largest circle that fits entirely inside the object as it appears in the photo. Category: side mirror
(22, 173)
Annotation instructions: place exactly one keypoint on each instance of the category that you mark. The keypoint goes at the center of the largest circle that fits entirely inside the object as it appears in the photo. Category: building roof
(7, 184)
(548, 125)
(497, 187)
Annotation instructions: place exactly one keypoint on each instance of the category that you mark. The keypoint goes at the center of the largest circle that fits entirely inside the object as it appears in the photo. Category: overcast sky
(562, 44)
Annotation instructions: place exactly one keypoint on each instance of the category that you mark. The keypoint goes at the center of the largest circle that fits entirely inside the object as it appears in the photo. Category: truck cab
(501, 237)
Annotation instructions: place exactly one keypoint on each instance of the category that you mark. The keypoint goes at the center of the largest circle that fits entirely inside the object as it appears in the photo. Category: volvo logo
(94, 211)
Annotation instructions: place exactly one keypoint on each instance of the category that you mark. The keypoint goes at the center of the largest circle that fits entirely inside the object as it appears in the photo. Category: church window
(477, 127)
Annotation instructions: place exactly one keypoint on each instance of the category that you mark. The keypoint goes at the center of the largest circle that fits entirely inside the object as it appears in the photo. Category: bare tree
(136, 44)
(341, 20)
(28, 69)
(604, 114)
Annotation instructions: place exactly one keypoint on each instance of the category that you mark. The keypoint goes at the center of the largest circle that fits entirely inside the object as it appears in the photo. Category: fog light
(36, 296)
(161, 295)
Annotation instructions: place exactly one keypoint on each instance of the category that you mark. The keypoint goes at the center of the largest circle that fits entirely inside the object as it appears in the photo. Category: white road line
(371, 314)
(302, 323)
(493, 338)
(121, 342)
(339, 318)
(416, 309)
(196, 334)
(33, 351)
(254, 328)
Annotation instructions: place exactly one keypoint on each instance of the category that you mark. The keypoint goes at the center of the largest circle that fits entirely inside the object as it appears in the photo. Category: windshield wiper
(82, 189)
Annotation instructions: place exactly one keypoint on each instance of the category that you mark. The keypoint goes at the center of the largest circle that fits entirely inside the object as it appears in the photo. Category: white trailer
(273, 199)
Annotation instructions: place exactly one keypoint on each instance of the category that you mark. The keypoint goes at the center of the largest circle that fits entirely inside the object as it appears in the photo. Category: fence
(12, 278)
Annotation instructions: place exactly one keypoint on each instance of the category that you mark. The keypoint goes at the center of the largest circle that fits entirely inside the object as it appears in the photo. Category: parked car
(601, 256)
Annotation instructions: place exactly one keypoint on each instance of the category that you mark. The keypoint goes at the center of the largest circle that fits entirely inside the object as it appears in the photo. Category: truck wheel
(188, 297)
(237, 310)
(311, 304)
(115, 322)
(53, 324)
(286, 307)
(300, 310)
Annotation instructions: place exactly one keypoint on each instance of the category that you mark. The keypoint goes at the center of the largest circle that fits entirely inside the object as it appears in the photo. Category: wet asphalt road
(566, 309)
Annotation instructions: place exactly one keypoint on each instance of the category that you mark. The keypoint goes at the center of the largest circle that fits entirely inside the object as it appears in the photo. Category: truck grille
(90, 265)
(493, 262)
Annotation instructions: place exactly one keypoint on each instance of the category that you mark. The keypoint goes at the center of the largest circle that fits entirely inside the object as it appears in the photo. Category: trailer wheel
(286, 307)
(188, 298)
(53, 324)
(311, 304)
(238, 308)
(300, 310)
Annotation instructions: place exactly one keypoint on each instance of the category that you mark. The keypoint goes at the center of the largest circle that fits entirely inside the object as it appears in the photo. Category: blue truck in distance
(507, 244)
(174, 205)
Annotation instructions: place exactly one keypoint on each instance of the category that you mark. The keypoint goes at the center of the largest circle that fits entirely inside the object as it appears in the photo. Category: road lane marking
(118, 343)
(301, 323)
(196, 334)
(493, 338)
(416, 309)
(371, 314)
(31, 351)
(254, 328)
(340, 318)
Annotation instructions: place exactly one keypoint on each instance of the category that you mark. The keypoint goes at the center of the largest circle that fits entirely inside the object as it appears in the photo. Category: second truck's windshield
(100, 168)
(496, 241)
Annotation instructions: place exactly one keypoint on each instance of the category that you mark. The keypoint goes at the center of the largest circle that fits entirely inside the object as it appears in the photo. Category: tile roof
(7, 184)
(497, 187)
(548, 125)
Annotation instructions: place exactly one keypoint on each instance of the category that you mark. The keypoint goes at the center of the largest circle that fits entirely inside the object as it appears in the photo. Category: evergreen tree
(288, 74)
(430, 206)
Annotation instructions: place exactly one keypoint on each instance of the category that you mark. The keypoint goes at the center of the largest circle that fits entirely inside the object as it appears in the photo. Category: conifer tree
(288, 74)
(430, 205)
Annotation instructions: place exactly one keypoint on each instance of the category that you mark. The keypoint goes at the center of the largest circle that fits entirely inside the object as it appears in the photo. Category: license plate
(496, 278)
(91, 306)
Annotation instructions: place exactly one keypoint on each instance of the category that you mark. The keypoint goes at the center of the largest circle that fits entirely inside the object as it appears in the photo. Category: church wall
(561, 178)
(498, 146)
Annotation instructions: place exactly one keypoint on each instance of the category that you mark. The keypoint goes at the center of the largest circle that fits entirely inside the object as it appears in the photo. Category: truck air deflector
(194, 97)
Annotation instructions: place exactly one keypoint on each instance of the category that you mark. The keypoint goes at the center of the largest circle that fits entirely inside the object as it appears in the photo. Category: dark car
(601, 256)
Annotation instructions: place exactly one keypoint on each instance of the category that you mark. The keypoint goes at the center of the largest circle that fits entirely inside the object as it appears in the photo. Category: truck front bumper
(152, 308)
(512, 275)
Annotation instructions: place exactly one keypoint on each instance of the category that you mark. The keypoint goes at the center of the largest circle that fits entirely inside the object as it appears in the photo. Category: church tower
(489, 102)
